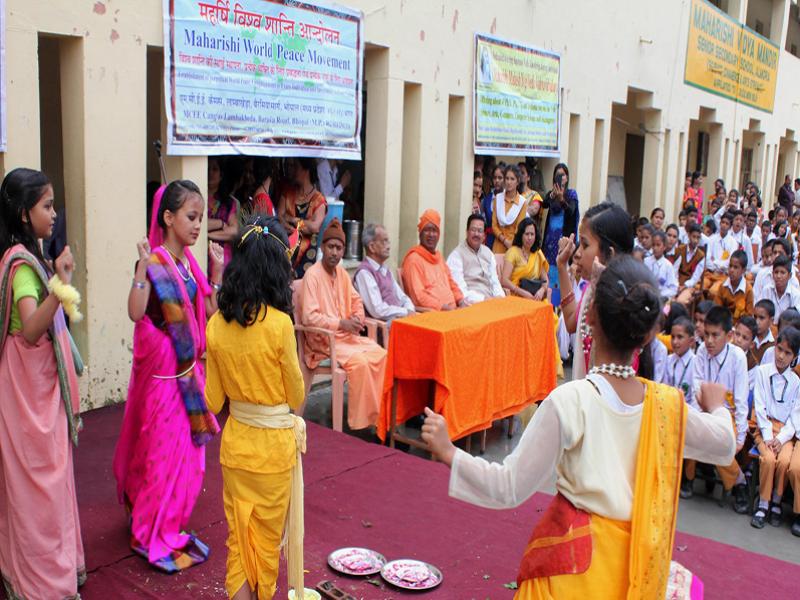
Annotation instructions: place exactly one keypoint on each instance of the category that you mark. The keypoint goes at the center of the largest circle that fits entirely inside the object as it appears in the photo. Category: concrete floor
(700, 515)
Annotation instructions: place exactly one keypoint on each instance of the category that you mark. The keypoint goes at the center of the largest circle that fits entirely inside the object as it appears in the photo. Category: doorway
(632, 171)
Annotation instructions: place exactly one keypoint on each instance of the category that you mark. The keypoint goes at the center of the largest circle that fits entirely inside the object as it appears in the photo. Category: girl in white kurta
(615, 444)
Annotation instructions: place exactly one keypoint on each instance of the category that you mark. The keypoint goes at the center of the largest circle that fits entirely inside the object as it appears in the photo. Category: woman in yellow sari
(616, 444)
(525, 260)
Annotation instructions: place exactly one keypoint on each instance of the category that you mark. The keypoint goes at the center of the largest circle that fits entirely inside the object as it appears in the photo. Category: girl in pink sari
(41, 553)
(160, 458)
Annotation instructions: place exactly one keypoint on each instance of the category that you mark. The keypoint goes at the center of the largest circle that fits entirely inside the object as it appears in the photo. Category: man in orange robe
(426, 276)
(328, 300)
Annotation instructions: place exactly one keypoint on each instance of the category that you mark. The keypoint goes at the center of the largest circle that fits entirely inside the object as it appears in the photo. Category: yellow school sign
(727, 58)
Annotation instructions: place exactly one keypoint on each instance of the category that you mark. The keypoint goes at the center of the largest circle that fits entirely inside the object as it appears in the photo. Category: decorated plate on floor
(356, 561)
(411, 574)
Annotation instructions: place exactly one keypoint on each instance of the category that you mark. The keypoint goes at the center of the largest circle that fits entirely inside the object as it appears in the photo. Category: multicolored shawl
(14, 258)
(188, 337)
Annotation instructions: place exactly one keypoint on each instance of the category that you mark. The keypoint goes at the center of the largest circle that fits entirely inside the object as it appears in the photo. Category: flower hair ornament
(263, 230)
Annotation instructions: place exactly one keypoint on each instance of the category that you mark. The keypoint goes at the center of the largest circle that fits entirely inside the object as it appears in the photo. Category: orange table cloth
(487, 361)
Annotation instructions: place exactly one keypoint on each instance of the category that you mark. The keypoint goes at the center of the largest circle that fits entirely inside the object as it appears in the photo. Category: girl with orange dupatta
(160, 457)
(41, 552)
(616, 444)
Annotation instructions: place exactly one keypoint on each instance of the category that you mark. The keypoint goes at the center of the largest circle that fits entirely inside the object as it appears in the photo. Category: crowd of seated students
(739, 282)
(731, 287)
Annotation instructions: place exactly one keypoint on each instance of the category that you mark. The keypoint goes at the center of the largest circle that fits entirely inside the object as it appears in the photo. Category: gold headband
(261, 230)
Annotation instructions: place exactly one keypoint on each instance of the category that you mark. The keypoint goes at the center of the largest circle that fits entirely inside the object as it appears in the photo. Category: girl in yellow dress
(252, 363)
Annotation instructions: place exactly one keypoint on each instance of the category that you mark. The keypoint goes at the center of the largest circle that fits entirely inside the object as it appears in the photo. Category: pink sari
(41, 552)
(159, 469)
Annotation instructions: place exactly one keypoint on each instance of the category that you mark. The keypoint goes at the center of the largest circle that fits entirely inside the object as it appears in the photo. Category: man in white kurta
(473, 265)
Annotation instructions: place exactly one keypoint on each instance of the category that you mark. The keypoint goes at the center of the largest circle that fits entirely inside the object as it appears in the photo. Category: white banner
(270, 77)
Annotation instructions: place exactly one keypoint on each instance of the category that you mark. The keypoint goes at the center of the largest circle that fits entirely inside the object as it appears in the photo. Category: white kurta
(590, 441)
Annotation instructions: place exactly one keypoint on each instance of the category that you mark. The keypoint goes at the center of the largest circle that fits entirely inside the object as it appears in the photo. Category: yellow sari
(536, 267)
(575, 554)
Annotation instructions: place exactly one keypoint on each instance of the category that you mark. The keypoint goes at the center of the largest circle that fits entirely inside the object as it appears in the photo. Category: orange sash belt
(561, 543)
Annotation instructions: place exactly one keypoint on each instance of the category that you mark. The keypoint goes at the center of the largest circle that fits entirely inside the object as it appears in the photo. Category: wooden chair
(329, 366)
(326, 367)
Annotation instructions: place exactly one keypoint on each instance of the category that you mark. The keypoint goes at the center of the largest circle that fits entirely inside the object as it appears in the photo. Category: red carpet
(366, 495)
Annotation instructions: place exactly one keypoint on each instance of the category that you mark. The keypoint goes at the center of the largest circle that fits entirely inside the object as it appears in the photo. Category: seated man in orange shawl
(328, 300)
(426, 276)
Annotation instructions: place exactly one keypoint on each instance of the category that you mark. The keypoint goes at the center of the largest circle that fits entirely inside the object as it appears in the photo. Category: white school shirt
(683, 236)
(755, 240)
(637, 246)
(659, 353)
(751, 378)
(678, 374)
(590, 440)
(746, 244)
(764, 276)
(767, 339)
(719, 252)
(769, 356)
(729, 369)
(664, 272)
(789, 299)
(718, 215)
(774, 396)
(698, 270)
(374, 303)
(795, 418)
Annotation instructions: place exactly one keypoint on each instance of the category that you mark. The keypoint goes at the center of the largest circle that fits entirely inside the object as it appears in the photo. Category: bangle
(139, 285)
(568, 299)
(69, 297)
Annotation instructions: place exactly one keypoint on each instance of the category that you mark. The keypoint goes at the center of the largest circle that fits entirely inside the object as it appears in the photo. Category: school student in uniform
(779, 291)
(678, 374)
(660, 267)
(736, 293)
(764, 313)
(788, 318)
(720, 361)
(700, 312)
(744, 332)
(774, 396)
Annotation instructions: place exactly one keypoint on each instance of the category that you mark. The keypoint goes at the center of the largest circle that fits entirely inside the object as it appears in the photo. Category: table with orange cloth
(481, 363)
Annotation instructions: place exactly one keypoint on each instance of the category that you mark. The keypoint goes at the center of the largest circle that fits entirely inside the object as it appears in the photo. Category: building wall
(623, 60)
